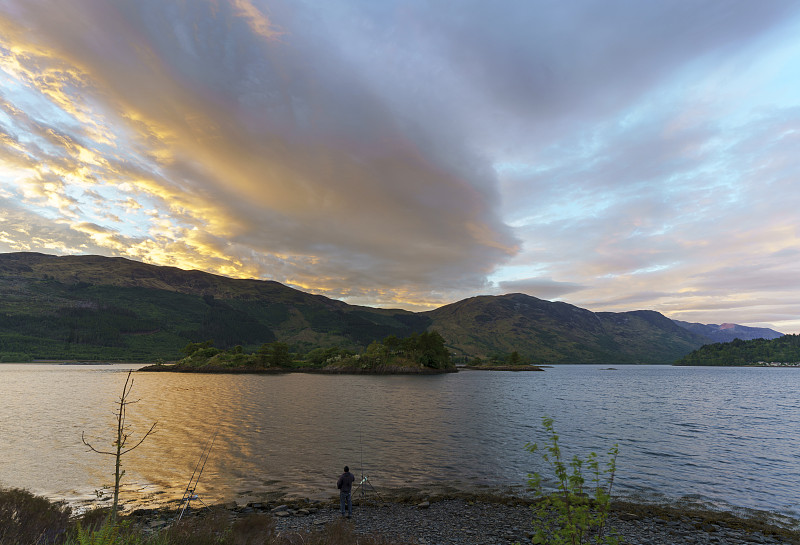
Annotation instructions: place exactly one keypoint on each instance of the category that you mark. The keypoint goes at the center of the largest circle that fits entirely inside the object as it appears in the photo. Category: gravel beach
(503, 521)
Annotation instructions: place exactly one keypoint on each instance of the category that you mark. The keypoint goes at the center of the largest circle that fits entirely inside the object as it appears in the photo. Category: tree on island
(425, 350)
(275, 355)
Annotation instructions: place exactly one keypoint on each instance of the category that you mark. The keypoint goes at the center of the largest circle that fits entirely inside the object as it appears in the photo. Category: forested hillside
(99, 308)
(784, 349)
(90, 307)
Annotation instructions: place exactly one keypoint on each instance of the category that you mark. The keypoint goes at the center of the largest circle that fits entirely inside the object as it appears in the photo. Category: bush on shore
(27, 519)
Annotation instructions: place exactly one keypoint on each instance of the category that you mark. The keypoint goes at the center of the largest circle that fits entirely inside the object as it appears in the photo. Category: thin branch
(122, 437)
(140, 440)
(92, 448)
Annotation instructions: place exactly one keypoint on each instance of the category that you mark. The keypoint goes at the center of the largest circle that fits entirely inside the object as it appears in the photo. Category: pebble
(462, 522)
(458, 522)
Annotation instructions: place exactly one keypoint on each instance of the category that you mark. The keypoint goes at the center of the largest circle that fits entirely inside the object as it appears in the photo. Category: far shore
(387, 370)
(503, 368)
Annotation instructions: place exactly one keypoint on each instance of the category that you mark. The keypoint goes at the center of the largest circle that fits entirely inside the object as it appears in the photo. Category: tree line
(425, 350)
(738, 352)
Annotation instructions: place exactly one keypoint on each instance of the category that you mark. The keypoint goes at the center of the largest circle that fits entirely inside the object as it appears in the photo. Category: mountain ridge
(727, 332)
(97, 307)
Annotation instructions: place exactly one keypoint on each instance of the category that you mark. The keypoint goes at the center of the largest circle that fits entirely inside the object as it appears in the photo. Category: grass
(27, 519)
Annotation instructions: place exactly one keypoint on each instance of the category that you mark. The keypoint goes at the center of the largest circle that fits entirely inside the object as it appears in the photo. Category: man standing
(345, 486)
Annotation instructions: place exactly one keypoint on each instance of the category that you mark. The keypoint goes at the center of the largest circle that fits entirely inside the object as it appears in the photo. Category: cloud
(313, 165)
(398, 153)
(643, 209)
(543, 288)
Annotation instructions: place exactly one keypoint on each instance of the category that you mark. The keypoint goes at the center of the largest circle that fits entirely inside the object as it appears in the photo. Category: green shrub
(26, 519)
(575, 513)
(211, 529)
(105, 534)
(254, 530)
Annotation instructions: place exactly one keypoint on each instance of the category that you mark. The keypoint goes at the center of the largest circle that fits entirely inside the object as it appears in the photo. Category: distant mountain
(91, 307)
(555, 332)
(725, 333)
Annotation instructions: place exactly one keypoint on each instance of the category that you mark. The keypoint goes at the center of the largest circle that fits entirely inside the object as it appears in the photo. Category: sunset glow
(614, 155)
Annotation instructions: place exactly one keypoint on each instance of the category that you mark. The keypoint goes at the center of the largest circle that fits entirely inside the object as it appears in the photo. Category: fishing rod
(189, 493)
(361, 447)
(362, 486)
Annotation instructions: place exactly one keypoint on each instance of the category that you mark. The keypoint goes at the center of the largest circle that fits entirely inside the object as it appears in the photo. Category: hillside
(555, 332)
(785, 349)
(90, 307)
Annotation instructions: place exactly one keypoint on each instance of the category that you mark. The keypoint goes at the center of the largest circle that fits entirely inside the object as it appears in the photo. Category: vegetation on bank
(784, 349)
(497, 362)
(424, 352)
(580, 508)
(26, 519)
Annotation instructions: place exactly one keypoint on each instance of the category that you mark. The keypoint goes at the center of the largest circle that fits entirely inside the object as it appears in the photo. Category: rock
(452, 521)
(144, 512)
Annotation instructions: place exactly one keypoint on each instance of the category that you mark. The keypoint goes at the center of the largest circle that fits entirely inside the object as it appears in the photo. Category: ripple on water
(720, 435)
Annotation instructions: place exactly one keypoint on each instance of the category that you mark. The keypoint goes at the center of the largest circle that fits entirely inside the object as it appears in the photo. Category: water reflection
(714, 434)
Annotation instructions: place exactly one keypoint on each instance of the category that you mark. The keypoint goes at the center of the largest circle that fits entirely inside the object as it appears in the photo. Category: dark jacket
(345, 482)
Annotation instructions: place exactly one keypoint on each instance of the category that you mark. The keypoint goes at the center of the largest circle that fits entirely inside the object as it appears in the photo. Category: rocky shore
(503, 520)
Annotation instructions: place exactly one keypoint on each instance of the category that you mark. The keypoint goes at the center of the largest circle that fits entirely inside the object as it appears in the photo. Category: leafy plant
(577, 511)
(26, 519)
(106, 534)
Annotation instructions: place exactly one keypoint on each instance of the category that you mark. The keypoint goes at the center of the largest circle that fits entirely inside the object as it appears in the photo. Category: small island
(423, 353)
(417, 354)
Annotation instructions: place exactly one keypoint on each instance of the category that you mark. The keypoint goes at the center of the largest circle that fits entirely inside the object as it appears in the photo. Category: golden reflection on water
(276, 435)
(680, 431)
(285, 434)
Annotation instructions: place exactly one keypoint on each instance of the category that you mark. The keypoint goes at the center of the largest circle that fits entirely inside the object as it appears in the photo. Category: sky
(613, 154)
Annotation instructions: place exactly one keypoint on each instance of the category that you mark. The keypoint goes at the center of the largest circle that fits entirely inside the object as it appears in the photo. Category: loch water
(725, 437)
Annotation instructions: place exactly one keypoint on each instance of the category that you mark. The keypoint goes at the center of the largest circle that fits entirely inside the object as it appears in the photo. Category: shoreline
(493, 518)
(215, 370)
(514, 368)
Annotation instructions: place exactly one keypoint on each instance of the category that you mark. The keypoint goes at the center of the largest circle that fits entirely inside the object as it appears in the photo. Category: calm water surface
(729, 437)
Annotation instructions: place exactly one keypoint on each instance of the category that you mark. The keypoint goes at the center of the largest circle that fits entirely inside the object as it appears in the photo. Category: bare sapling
(121, 443)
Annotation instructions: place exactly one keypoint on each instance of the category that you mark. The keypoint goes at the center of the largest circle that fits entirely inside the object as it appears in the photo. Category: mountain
(555, 332)
(725, 333)
(91, 307)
